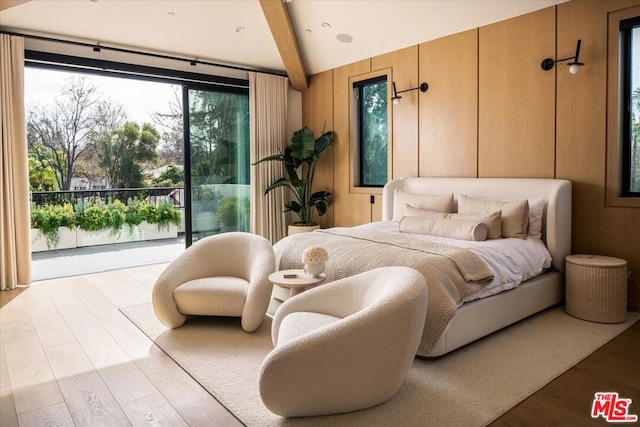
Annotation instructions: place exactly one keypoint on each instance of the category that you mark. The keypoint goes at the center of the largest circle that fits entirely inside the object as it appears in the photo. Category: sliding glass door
(217, 155)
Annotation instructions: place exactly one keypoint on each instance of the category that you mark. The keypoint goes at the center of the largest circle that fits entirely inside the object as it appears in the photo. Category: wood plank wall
(491, 111)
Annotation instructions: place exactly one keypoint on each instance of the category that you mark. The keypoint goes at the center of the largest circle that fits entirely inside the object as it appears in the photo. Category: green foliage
(231, 211)
(374, 134)
(41, 178)
(122, 150)
(48, 218)
(96, 215)
(635, 142)
(300, 159)
(219, 137)
(164, 214)
(133, 215)
(173, 176)
(228, 211)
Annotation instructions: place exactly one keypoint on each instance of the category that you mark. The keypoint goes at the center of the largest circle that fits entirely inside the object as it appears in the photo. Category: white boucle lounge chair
(345, 345)
(222, 275)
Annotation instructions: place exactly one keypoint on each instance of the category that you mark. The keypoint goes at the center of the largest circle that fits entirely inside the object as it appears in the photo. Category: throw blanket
(451, 273)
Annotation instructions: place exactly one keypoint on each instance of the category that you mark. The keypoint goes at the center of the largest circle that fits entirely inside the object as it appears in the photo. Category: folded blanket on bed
(451, 273)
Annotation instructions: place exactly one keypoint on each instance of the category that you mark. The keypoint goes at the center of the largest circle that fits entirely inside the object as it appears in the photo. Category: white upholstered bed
(476, 318)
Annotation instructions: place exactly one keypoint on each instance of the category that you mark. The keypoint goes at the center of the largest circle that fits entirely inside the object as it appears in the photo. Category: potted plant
(300, 159)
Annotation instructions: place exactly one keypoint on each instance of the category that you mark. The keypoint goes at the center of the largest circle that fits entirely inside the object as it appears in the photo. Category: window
(202, 121)
(623, 109)
(630, 70)
(371, 132)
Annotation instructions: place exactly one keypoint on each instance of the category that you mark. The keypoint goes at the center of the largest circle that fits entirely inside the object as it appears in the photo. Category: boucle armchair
(222, 275)
(345, 345)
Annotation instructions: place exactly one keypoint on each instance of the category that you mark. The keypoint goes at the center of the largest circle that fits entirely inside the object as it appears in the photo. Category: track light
(396, 98)
(574, 66)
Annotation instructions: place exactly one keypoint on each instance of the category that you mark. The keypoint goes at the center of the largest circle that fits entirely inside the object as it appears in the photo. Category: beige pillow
(493, 221)
(411, 211)
(454, 229)
(514, 214)
(431, 202)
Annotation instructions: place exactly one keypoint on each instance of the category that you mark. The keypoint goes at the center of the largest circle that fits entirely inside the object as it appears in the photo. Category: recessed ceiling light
(326, 25)
(171, 14)
(239, 29)
(308, 31)
(344, 38)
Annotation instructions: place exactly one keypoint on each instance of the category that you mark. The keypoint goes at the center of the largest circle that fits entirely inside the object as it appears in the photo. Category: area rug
(471, 386)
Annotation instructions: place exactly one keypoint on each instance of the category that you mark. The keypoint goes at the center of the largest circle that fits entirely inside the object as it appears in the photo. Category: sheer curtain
(15, 239)
(268, 111)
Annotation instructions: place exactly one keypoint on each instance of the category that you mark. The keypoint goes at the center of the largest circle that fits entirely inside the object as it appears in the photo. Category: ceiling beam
(6, 4)
(277, 15)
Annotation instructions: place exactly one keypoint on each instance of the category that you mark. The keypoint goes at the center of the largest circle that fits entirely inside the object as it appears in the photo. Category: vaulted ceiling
(299, 37)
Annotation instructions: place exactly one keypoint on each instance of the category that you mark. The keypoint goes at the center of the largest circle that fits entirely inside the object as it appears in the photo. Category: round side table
(296, 280)
(596, 288)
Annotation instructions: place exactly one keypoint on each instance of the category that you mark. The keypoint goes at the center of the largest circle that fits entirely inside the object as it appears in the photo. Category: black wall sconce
(396, 98)
(574, 66)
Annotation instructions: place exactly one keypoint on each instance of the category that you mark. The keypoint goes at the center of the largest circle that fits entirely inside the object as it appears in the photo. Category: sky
(138, 97)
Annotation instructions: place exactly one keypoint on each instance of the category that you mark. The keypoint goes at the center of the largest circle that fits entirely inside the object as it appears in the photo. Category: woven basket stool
(596, 288)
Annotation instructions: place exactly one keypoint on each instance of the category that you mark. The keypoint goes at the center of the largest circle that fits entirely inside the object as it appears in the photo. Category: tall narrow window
(630, 67)
(372, 133)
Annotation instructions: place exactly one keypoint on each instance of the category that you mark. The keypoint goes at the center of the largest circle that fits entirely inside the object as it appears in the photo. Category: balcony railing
(152, 194)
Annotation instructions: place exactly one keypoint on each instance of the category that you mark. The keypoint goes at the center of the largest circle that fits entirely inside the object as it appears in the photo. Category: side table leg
(295, 291)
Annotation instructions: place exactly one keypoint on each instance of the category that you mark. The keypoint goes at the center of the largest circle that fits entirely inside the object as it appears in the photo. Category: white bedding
(511, 261)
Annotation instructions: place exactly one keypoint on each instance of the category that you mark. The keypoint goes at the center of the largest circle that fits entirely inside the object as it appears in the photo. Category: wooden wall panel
(516, 127)
(404, 143)
(581, 136)
(527, 122)
(317, 114)
(449, 109)
(349, 209)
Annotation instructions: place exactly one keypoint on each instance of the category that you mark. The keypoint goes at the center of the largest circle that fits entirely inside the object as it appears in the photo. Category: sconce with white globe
(574, 66)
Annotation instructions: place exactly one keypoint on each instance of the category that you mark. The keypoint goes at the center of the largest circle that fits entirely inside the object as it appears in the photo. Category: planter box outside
(153, 232)
(76, 238)
(66, 240)
(144, 231)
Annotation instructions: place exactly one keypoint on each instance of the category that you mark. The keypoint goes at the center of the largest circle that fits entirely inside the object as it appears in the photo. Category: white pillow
(536, 210)
(452, 228)
(431, 202)
(514, 214)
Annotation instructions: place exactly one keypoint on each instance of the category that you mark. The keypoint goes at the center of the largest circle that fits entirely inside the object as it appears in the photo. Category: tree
(59, 135)
(217, 121)
(374, 124)
(122, 151)
(172, 137)
(41, 178)
(171, 177)
(635, 141)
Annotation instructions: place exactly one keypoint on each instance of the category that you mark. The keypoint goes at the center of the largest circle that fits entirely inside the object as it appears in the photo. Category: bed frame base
(487, 315)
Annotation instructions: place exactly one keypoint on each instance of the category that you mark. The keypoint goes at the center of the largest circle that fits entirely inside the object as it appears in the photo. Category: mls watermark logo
(612, 408)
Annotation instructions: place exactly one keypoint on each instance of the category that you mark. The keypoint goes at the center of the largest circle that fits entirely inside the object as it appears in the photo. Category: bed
(475, 287)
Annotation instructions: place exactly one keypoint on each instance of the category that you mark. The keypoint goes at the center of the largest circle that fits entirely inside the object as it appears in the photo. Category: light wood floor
(69, 357)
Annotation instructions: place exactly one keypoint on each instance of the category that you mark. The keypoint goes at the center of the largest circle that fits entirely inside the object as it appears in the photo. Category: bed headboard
(556, 222)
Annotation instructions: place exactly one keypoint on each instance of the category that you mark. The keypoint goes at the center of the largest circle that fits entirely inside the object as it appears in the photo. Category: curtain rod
(192, 61)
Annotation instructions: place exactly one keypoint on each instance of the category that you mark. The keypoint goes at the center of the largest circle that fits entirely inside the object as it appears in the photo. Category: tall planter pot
(297, 229)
